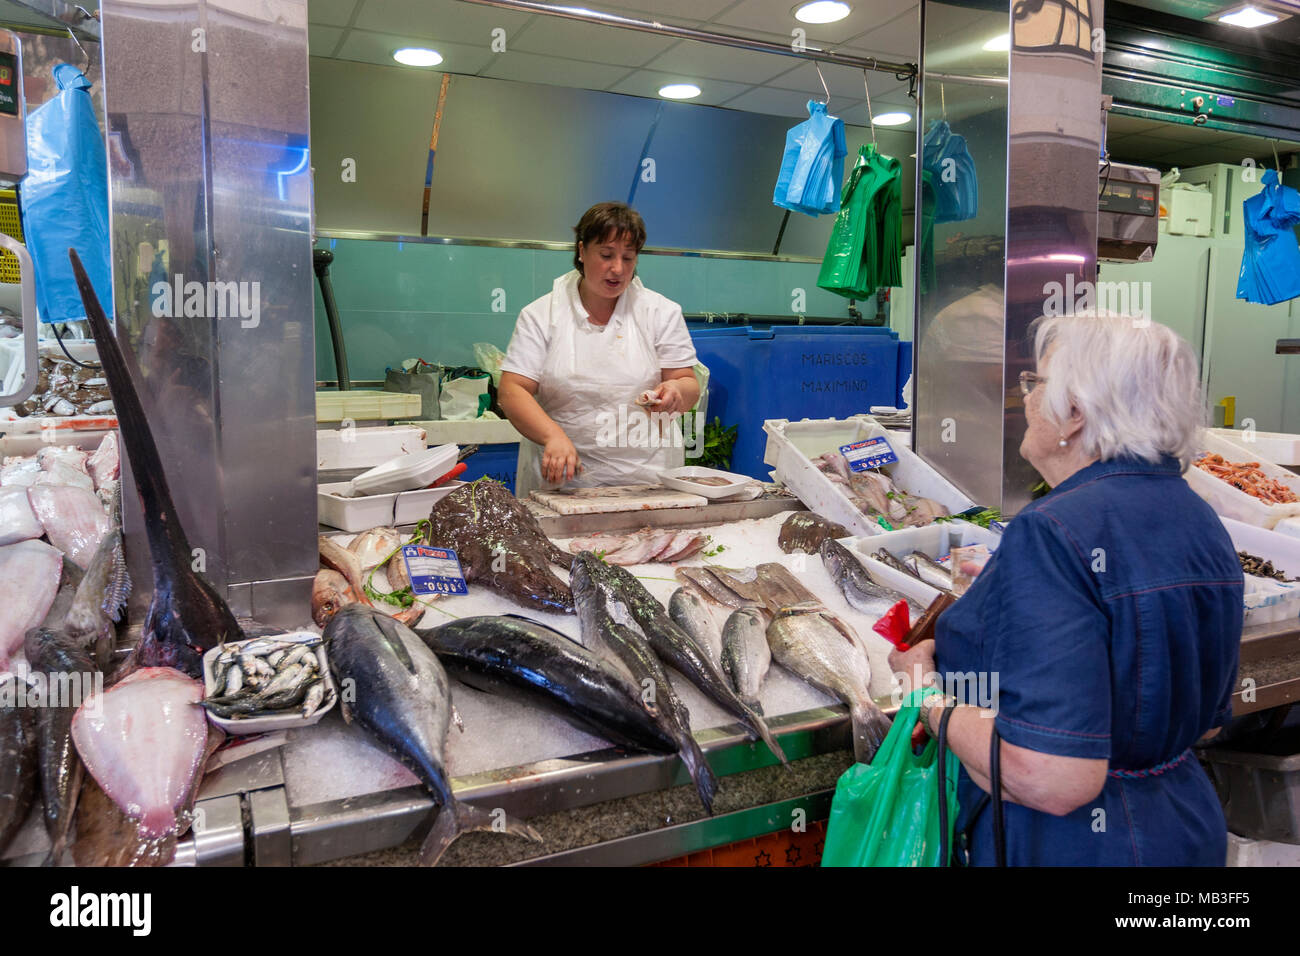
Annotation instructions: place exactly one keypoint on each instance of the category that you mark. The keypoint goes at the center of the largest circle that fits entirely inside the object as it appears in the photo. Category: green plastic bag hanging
(886, 813)
(866, 245)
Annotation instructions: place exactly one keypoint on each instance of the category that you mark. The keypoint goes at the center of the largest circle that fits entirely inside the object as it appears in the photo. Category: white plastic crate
(374, 511)
(338, 448)
(791, 446)
(1284, 552)
(1278, 447)
(936, 540)
(1230, 502)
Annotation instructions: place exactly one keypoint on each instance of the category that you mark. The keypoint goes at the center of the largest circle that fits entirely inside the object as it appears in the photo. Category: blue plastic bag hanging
(812, 167)
(64, 198)
(1270, 264)
(952, 170)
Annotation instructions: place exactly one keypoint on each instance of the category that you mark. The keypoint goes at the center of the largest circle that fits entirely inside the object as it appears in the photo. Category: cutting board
(590, 501)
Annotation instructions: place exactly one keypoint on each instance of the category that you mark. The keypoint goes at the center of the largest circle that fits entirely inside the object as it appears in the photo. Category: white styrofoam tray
(376, 511)
(678, 478)
(1278, 447)
(791, 446)
(936, 540)
(1230, 502)
(291, 718)
(408, 472)
(365, 447)
(1284, 552)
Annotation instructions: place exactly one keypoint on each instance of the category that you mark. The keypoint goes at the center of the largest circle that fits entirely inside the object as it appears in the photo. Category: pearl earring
(1063, 442)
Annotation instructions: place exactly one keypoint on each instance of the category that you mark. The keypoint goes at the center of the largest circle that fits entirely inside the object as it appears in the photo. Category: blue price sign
(433, 570)
(869, 453)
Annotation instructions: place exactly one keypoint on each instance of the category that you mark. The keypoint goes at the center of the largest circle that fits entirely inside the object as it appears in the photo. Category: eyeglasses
(1028, 380)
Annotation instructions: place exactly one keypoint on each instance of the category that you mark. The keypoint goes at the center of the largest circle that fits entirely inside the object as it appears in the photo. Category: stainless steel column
(1029, 109)
(210, 195)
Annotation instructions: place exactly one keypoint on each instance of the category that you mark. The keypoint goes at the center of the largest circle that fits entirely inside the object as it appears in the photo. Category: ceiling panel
(378, 48)
(857, 116)
(553, 71)
(843, 81)
(322, 41)
(691, 58)
(775, 102)
(587, 41)
(450, 20)
(336, 13)
(896, 39)
(648, 82)
(681, 11)
(777, 17)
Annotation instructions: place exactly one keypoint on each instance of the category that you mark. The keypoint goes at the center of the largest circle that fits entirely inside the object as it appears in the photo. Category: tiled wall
(400, 300)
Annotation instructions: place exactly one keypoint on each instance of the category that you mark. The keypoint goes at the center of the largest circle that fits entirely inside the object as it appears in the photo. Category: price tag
(869, 453)
(433, 570)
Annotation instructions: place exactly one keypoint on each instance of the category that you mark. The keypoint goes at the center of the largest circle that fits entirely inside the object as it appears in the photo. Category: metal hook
(85, 69)
(817, 67)
(871, 117)
(1277, 164)
(943, 103)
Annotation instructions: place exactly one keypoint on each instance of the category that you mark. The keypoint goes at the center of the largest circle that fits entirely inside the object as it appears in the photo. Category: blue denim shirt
(1111, 615)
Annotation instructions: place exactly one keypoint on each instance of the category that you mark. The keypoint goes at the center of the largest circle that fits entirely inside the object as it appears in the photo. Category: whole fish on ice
(403, 700)
(688, 611)
(858, 587)
(186, 615)
(746, 657)
(805, 531)
(18, 522)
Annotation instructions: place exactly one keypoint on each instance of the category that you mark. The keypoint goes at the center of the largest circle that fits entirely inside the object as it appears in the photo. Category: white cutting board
(590, 501)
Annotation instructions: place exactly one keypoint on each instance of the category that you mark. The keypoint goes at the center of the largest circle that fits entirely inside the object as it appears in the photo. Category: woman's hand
(914, 666)
(669, 398)
(560, 460)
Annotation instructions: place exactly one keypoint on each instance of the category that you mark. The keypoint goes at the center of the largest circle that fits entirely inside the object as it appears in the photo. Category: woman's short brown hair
(605, 222)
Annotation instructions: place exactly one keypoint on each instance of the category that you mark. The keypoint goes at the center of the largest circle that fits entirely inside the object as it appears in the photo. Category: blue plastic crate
(794, 372)
(495, 461)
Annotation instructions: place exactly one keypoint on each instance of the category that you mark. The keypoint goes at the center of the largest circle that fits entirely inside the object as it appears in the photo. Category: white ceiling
(559, 52)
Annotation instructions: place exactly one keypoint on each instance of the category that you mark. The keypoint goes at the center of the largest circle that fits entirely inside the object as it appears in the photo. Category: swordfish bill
(186, 615)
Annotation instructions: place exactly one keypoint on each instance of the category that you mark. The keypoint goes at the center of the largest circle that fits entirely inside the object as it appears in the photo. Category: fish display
(688, 611)
(500, 545)
(778, 588)
(403, 701)
(822, 650)
(19, 760)
(73, 519)
(1248, 477)
(186, 615)
(707, 583)
(330, 591)
(30, 572)
(856, 584)
(874, 494)
(65, 388)
(335, 557)
(930, 571)
(375, 546)
(678, 650)
(145, 743)
(265, 677)
(105, 464)
(521, 658)
(100, 598)
(64, 664)
(805, 531)
(647, 546)
(746, 658)
(18, 522)
(609, 629)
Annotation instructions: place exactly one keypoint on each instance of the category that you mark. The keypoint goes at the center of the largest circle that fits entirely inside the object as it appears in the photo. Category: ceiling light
(821, 11)
(417, 56)
(679, 91)
(999, 44)
(893, 119)
(1248, 17)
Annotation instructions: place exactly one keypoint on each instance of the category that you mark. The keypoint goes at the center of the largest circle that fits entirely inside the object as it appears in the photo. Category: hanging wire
(871, 117)
(818, 68)
(1277, 164)
(943, 103)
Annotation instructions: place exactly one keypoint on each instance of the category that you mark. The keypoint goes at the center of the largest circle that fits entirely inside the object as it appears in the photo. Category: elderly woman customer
(1111, 613)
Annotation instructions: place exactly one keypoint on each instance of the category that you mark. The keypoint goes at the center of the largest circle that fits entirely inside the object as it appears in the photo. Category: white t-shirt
(656, 315)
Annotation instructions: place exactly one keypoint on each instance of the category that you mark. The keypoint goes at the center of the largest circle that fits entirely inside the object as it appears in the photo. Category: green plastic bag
(866, 244)
(886, 813)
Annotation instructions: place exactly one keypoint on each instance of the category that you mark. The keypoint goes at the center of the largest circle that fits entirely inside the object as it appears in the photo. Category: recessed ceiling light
(679, 91)
(417, 56)
(893, 119)
(821, 11)
(999, 44)
(1248, 17)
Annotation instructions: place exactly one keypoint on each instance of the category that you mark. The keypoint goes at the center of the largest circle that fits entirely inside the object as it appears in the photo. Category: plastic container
(1278, 447)
(373, 511)
(1260, 793)
(1230, 502)
(291, 718)
(499, 462)
(1246, 852)
(1270, 602)
(365, 447)
(679, 479)
(792, 372)
(406, 472)
(791, 446)
(936, 540)
(366, 405)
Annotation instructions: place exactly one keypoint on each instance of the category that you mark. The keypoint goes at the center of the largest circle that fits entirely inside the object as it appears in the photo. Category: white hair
(1137, 384)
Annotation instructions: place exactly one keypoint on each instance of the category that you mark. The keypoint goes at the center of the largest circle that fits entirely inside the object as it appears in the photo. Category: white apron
(590, 381)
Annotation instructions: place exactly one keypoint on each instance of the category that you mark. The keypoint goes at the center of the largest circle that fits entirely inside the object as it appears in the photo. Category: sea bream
(186, 615)
(678, 650)
(689, 612)
(821, 649)
(746, 658)
(522, 658)
(403, 700)
(609, 629)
